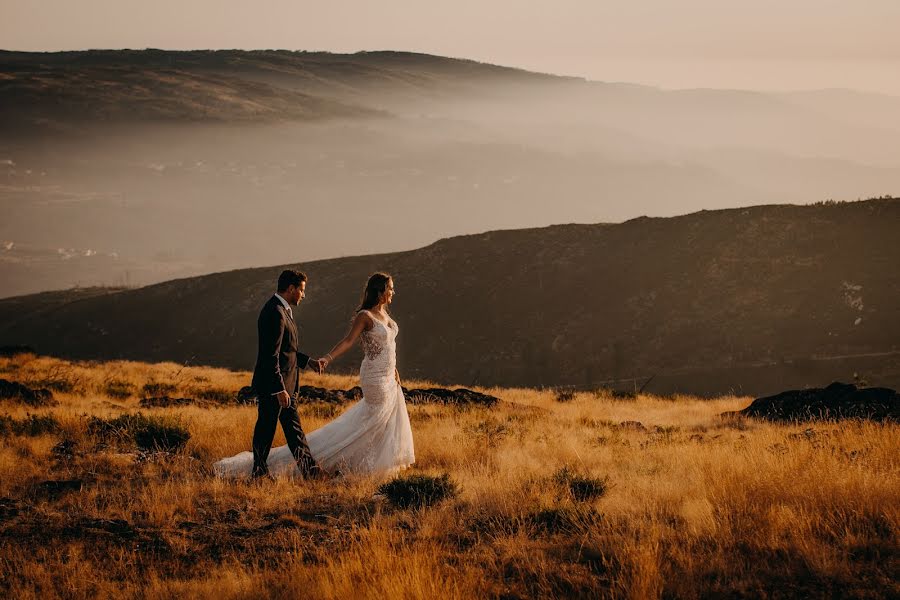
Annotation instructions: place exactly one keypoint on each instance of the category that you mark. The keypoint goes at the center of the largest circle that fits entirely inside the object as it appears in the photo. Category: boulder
(837, 401)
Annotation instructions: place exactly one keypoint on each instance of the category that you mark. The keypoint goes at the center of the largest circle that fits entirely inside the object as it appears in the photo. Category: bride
(373, 436)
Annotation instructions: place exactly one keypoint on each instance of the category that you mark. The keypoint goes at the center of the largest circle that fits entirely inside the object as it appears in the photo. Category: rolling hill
(749, 300)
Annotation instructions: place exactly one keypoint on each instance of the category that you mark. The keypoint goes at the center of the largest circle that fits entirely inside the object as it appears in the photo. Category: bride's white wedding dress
(371, 437)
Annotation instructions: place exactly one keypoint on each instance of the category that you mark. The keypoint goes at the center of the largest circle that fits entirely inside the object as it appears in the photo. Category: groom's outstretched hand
(317, 365)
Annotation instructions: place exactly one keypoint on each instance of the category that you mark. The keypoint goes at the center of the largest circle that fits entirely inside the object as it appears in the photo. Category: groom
(276, 376)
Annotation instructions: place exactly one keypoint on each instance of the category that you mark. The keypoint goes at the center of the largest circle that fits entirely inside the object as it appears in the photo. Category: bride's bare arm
(361, 322)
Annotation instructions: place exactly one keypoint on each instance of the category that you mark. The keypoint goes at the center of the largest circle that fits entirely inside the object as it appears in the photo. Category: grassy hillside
(752, 300)
(556, 496)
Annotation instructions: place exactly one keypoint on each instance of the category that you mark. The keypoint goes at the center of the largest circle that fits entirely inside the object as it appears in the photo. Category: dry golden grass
(695, 506)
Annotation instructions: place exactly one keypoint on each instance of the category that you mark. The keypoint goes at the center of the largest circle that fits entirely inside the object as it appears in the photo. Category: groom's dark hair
(290, 277)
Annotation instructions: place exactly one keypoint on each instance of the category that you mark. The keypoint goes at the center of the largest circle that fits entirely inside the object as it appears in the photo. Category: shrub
(147, 432)
(157, 388)
(32, 425)
(581, 487)
(490, 430)
(116, 388)
(217, 395)
(567, 519)
(11, 390)
(419, 490)
(605, 393)
(61, 378)
(565, 395)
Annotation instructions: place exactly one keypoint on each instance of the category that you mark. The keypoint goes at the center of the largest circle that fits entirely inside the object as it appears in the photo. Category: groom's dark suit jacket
(278, 358)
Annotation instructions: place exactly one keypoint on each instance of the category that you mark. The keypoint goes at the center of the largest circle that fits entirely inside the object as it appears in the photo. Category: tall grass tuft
(146, 432)
(416, 491)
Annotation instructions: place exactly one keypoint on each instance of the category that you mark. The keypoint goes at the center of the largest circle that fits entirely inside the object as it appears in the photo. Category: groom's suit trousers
(270, 413)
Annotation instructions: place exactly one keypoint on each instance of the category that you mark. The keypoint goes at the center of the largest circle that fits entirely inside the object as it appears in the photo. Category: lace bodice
(382, 336)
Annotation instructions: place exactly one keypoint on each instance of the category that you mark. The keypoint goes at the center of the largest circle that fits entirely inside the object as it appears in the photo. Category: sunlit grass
(689, 505)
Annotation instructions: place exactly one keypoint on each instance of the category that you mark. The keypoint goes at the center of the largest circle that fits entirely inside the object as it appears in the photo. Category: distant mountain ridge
(749, 300)
(65, 89)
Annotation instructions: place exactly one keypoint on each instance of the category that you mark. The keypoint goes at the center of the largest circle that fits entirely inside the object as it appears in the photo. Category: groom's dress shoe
(317, 474)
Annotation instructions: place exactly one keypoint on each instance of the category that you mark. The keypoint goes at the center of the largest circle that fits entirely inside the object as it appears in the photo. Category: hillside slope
(749, 300)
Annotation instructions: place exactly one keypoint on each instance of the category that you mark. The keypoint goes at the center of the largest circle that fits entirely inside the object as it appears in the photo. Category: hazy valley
(128, 168)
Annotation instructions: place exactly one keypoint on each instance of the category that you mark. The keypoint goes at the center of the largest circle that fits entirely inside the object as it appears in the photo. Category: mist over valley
(133, 167)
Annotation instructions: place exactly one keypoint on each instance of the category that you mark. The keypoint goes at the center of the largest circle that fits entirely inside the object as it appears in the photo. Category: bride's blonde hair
(375, 287)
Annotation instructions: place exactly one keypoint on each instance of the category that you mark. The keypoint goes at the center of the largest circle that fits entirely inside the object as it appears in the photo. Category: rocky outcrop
(837, 401)
(447, 396)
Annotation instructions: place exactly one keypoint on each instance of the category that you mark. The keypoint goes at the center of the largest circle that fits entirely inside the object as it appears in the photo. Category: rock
(837, 401)
(445, 396)
(355, 393)
(11, 390)
(308, 393)
(246, 395)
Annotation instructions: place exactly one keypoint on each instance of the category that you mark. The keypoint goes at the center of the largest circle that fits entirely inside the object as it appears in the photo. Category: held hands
(325, 361)
(317, 365)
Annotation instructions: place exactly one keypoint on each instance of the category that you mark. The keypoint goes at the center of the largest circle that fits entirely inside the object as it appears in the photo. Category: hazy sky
(764, 44)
